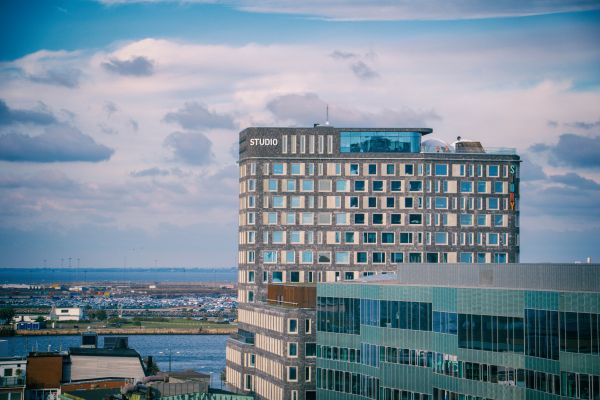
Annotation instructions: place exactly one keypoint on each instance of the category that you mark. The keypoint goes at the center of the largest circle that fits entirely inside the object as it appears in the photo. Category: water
(49, 275)
(204, 353)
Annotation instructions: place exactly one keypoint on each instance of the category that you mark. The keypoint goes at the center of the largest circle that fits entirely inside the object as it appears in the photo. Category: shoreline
(130, 331)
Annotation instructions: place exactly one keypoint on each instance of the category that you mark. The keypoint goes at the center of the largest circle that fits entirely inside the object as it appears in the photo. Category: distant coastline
(225, 330)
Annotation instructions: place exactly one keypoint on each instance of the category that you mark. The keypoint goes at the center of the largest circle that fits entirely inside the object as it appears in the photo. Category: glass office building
(457, 331)
(330, 204)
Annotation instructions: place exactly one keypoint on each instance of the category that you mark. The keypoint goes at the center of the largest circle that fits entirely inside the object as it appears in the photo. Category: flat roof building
(458, 331)
(329, 204)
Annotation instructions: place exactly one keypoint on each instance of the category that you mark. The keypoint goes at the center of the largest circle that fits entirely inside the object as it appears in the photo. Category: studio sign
(264, 142)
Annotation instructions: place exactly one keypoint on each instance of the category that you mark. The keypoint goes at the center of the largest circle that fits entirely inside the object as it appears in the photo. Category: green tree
(40, 319)
(101, 315)
(7, 314)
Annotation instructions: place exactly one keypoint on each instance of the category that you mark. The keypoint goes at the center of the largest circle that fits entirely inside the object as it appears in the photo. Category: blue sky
(116, 116)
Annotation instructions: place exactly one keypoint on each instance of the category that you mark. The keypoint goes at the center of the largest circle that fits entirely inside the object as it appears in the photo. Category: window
(481, 187)
(390, 202)
(395, 219)
(307, 326)
(307, 218)
(295, 237)
(272, 185)
(278, 169)
(272, 218)
(306, 256)
(278, 237)
(415, 257)
(396, 186)
(372, 169)
(415, 219)
(277, 277)
(415, 186)
(387, 237)
(441, 169)
(278, 201)
(493, 203)
(292, 349)
(359, 219)
(441, 203)
(369, 237)
(354, 169)
(408, 202)
(324, 185)
(251, 185)
(294, 276)
(341, 218)
(372, 202)
(498, 187)
(248, 382)
(349, 237)
(466, 187)
(296, 169)
(291, 185)
(466, 219)
(308, 185)
(493, 171)
(324, 257)
(396, 258)
(324, 218)
(441, 238)
(377, 186)
(378, 257)
(493, 239)
(377, 219)
(341, 185)
(310, 349)
(342, 257)
(292, 374)
(269, 257)
(361, 257)
(348, 276)
(481, 220)
(406, 238)
(353, 202)
(390, 169)
(292, 325)
(359, 186)
(409, 169)
(466, 258)
(497, 219)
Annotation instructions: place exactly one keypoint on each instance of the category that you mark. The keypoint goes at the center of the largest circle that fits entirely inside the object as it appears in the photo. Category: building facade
(457, 331)
(329, 204)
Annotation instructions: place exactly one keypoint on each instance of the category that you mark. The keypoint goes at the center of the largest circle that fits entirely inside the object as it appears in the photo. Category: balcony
(12, 381)
(290, 295)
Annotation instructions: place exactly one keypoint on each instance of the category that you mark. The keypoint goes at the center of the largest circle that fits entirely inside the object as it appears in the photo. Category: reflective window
(380, 142)
(441, 169)
(466, 187)
(396, 186)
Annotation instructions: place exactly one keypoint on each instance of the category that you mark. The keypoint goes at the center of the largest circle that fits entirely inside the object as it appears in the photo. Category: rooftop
(537, 277)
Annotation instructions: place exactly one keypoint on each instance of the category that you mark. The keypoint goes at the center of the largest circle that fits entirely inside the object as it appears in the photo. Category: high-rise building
(462, 332)
(329, 204)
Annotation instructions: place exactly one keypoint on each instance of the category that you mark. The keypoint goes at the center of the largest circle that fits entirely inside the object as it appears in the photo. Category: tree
(101, 315)
(40, 319)
(7, 314)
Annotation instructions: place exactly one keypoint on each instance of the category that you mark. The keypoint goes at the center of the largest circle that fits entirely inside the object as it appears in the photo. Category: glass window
(415, 186)
(296, 237)
(493, 171)
(324, 257)
(396, 258)
(441, 169)
(372, 202)
(377, 186)
(408, 202)
(493, 203)
(441, 203)
(269, 257)
(390, 202)
(481, 220)
(307, 256)
(481, 187)
(277, 277)
(354, 169)
(342, 257)
(395, 219)
(369, 237)
(296, 201)
(492, 238)
(409, 169)
(307, 218)
(466, 219)
(498, 187)
(390, 169)
(278, 168)
(296, 169)
(341, 185)
(396, 186)
(278, 237)
(310, 350)
(290, 256)
(361, 257)
(441, 238)
(341, 218)
(308, 185)
(466, 187)
(415, 219)
(377, 219)
(380, 142)
(378, 257)
(359, 186)
(324, 185)
(359, 219)
(354, 202)
(372, 169)
(466, 258)
(498, 219)
(406, 238)
(387, 237)
(272, 185)
(349, 237)
(278, 201)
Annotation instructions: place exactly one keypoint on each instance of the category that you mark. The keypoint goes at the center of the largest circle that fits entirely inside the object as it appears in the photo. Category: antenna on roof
(327, 115)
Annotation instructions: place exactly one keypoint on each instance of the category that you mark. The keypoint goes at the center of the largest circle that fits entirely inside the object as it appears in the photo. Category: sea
(203, 353)
(81, 274)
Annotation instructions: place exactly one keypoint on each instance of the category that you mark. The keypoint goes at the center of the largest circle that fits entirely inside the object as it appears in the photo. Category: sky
(119, 119)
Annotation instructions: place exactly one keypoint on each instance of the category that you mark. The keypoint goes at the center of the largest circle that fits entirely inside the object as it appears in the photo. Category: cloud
(575, 181)
(306, 109)
(65, 76)
(197, 116)
(363, 71)
(154, 171)
(530, 171)
(45, 179)
(572, 150)
(11, 116)
(110, 108)
(584, 125)
(58, 143)
(342, 55)
(400, 10)
(189, 147)
(136, 66)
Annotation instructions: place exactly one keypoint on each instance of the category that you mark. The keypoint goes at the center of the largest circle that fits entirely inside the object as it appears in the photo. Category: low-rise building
(12, 378)
(461, 331)
(67, 314)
